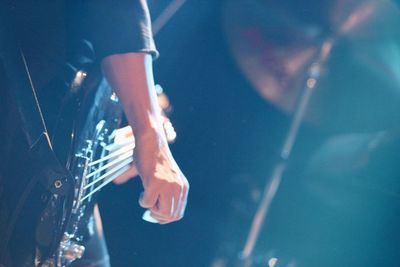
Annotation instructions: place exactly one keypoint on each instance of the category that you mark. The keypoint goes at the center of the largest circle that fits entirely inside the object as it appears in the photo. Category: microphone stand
(271, 188)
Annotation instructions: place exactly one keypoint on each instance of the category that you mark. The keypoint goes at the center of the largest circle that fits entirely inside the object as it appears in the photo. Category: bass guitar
(85, 120)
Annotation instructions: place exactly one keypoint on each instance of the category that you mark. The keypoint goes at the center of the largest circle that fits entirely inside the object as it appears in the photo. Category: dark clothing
(51, 30)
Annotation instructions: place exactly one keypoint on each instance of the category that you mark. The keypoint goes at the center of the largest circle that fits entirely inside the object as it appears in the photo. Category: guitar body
(49, 230)
(99, 115)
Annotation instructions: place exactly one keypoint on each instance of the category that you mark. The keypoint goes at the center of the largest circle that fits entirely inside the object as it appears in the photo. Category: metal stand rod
(275, 179)
(166, 15)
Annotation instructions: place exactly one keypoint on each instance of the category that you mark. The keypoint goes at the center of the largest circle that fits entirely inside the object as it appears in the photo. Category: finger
(148, 198)
(160, 219)
(183, 201)
(154, 211)
(166, 222)
(150, 217)
(165, 203)
(178, 193)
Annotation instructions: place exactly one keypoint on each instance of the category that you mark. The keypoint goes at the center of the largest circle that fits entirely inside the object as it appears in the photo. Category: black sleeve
(120, 26)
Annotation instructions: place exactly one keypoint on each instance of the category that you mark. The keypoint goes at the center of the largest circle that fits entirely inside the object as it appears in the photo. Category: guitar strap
(47, 169)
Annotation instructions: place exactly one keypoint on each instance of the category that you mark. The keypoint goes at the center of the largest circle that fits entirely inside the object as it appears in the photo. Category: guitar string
(109, 180)
(110, 163)
(118, 170)
(124, 149)
(115, 145)
(110, 171)
(127, 149)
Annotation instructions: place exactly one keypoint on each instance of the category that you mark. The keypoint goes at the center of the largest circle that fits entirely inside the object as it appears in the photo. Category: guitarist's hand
(158, 170)
(165, 186)
(124, 136)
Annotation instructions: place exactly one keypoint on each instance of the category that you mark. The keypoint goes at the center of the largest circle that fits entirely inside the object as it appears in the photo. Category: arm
(165, 187)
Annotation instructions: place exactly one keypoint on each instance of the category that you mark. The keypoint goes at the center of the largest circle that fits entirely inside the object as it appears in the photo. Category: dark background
(228, 140)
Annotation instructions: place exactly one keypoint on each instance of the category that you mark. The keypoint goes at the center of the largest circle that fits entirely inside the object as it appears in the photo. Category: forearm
(165, 186)
(131, 76)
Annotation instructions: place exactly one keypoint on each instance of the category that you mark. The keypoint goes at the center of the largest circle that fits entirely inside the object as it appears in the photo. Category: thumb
(148, 198)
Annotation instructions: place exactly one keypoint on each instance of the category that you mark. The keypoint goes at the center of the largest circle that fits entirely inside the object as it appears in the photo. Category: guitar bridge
(70, 250)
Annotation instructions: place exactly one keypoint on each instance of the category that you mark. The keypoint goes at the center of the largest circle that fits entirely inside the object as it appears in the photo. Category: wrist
(152, 134)
(144, 121)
